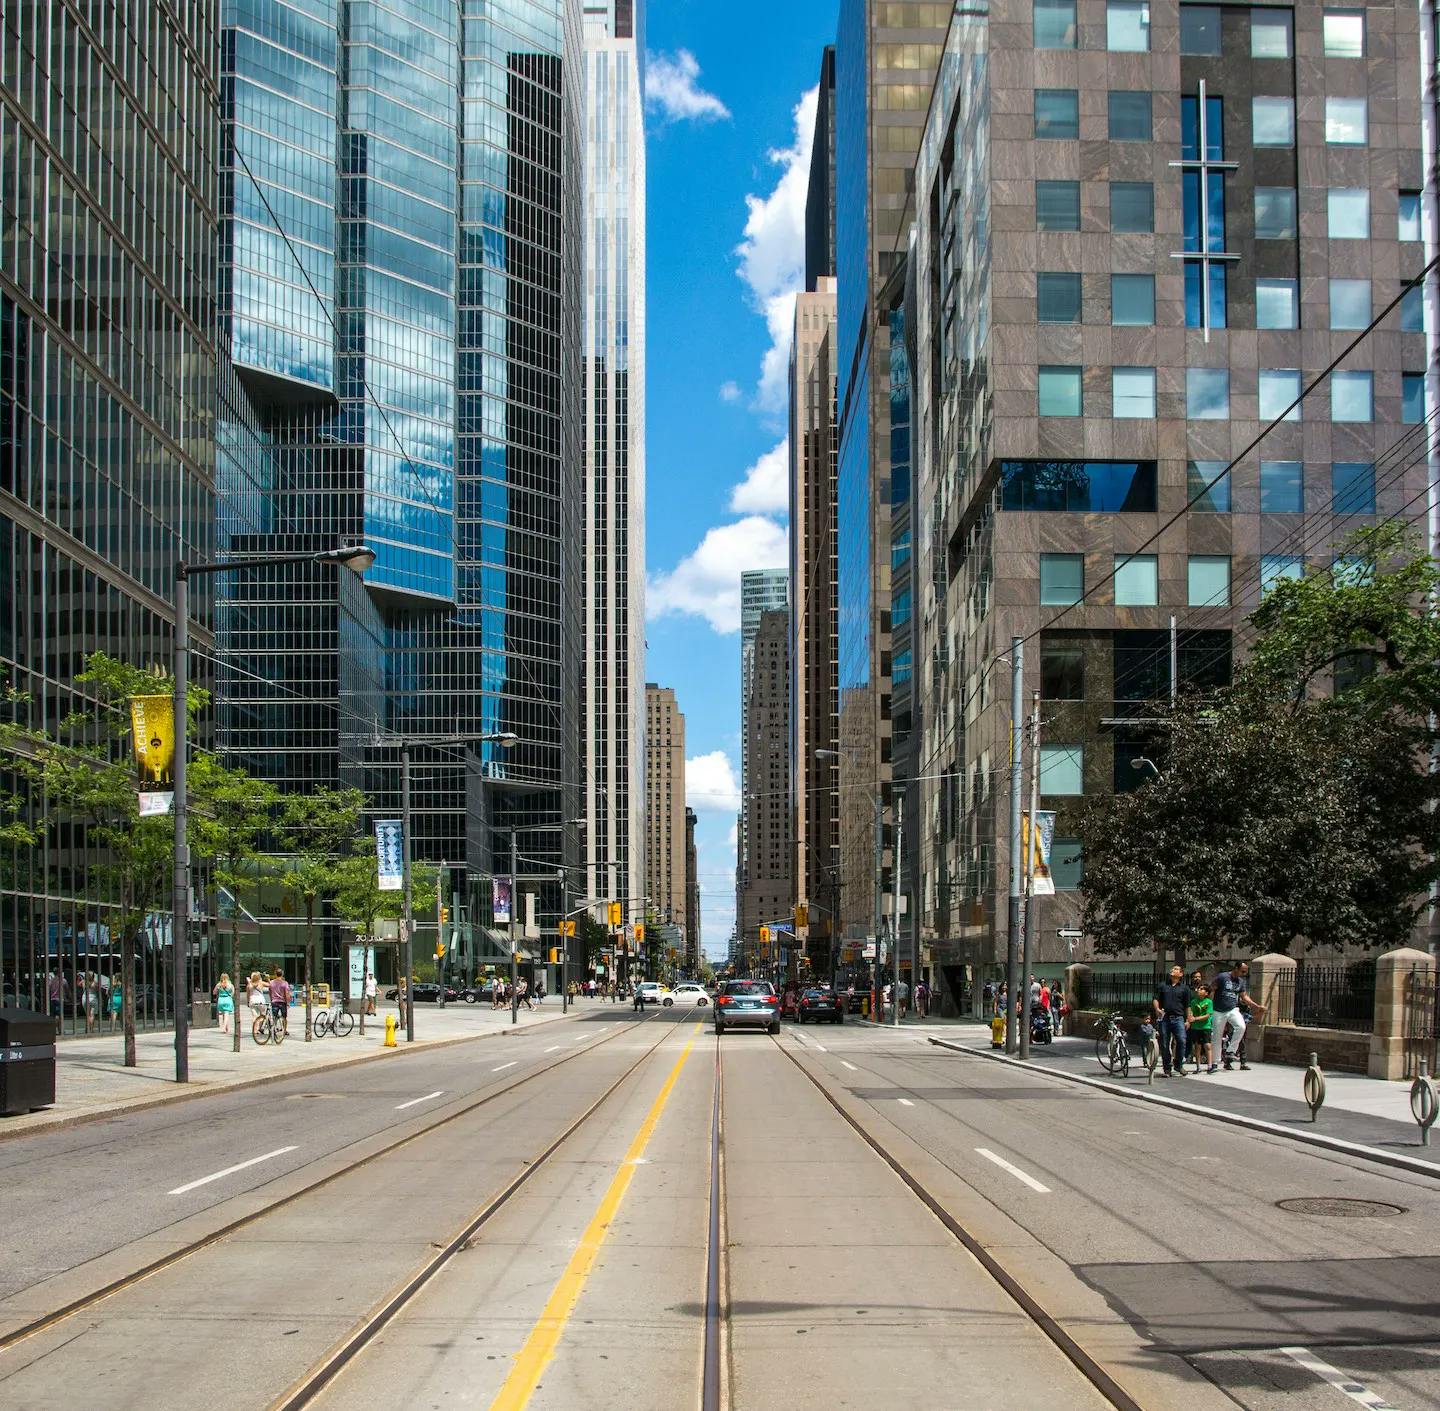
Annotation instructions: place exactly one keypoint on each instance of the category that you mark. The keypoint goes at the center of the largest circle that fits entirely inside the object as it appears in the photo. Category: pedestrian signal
(615, 913)
(554, 955)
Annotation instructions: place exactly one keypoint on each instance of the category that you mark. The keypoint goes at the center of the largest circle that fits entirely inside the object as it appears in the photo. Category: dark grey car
(749, 1004)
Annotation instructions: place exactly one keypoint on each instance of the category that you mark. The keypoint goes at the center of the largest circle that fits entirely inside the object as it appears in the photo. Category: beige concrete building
(664, 804)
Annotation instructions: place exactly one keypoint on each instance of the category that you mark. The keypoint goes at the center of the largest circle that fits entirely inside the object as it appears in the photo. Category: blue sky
(728, 129)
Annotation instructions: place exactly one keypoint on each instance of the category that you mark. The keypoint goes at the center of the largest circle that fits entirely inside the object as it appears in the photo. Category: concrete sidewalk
(91, 1079)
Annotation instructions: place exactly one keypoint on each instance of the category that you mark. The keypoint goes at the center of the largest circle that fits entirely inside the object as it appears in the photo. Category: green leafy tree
(317, 832)
(594, 941)
(1288, 812)
(228, 829)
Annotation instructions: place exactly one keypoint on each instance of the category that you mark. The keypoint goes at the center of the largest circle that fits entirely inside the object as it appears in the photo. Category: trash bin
(27, 1061)
(200, 1004)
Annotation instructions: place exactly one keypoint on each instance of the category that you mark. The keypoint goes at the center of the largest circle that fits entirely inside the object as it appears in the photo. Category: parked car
(747, 1004)
(427, 992)
(818, 1004)
(480, 990)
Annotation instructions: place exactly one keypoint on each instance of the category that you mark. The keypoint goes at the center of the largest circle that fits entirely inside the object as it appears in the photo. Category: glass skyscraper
(109, 133)
(402, 264)
(613, 721)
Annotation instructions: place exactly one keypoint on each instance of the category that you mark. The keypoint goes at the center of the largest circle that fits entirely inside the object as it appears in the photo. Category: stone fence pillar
(1272, 984)
(1392, 976)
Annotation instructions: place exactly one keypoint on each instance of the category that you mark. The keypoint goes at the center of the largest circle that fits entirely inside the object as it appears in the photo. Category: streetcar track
(1087, 1365)
(712, 1397)
(313, 1384)
(90, 1299)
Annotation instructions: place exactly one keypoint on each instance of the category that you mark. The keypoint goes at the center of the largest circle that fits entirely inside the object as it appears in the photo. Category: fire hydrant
(390, 1031)
(997, 1031)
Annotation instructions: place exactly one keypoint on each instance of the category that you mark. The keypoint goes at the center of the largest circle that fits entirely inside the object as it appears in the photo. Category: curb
(1256, 1124)
(189, 1093)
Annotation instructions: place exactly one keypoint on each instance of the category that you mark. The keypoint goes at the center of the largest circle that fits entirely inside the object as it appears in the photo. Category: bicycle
(339, 1022)
(1112, 1049)
(267, 1029)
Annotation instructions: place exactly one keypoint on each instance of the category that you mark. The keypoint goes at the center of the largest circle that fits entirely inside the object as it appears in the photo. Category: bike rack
(1314, 1086)
(1424, 1103)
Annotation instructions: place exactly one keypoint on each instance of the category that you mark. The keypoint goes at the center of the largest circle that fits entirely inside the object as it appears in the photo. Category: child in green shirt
(1201, 1008)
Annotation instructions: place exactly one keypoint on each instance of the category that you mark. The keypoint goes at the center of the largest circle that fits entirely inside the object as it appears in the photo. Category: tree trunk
(127, 987)
(235, 973)
(309, 947)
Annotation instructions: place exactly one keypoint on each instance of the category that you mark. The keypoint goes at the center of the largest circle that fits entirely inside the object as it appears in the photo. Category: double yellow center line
(545, 1336)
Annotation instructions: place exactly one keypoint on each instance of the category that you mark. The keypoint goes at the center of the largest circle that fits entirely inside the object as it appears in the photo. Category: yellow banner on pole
(152, 726)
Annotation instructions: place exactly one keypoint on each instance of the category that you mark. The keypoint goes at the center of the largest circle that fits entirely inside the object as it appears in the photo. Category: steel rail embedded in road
(1085, 1364)
(312, 1386)
(169, 1260)
(712, 1358)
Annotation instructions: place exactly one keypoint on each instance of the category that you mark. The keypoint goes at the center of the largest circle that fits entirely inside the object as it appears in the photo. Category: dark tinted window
(1057, 205)
(1129, 116)
(748, 987)
(1062, 672)
(1113, 486)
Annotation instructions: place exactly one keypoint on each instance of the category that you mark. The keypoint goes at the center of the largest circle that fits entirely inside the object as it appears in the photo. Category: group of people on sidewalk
(920, 995)
(1202, 1023)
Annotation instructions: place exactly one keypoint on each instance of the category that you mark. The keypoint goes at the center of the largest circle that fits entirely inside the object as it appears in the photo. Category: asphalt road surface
(537, 1223)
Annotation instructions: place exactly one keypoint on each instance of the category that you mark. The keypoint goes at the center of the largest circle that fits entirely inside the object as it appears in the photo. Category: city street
(535, 1224)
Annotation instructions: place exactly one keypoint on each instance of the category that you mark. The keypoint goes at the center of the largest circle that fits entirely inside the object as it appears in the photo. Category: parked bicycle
(1112, 1048)
(267, 1029)
(335, 1021)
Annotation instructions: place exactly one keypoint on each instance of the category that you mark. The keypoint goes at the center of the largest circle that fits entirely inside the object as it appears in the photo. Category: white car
(690, 993)
(653, 992)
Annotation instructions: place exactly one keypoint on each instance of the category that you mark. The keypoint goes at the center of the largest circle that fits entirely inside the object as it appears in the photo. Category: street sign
(1070, 933)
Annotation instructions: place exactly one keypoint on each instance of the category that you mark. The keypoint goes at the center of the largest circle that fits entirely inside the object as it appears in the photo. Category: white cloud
(706, 582)
(671, 89)
(730, 391)
(772, 254)
(766, 486)
(710, 783)
(735, 833)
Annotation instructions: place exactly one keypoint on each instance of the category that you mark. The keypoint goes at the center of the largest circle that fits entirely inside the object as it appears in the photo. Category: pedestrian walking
(1058, 1007)
(1171, 1005)
(1002, 999)
(224, 993)
(279, 991)
(539, 991)
(1231, 998)
(522, 993)
(987, 998)
(1201, 1008)
(90, 1000)
(402, 999)
(372, 991)
(922, 1000)
(57, 991)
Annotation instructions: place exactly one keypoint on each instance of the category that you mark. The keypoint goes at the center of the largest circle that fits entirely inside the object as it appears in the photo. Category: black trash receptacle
(27, 1061)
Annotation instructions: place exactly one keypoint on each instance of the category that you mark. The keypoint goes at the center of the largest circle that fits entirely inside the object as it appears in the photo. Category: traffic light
(764, 935)
(615, 913)
(444, 915)
(554, 955)
(802, 916)
(639, 935)
(439, 950)
(567, 928)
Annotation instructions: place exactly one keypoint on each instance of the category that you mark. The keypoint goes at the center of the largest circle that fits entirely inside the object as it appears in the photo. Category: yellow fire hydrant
(390, 1031)
(997, 1031)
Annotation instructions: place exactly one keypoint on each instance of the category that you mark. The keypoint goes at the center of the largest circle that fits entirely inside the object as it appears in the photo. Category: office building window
(1130, 119)
(1344, 34)
(1412, 310)
(1132, 300)
(1137, 581)
(1062, 672)
(1062, 770)
(1282, 487)
(1067, 864)
(1132, 393)
(1132, 207)
(1412, 397)
(1057, 298)
(1127, 26)
(1275, 568)
(1207, 487)
(1209, 580)
(1054, 24)
(1349, 303)
(1057, 113)
(1277, 303)
(1347, 122)
(1199, 29)
(1279, 387)
(1106, 487)
(1274, 212)
(1352, 487)
(1062, 579)
(1059, 391)
(1349, 213)
(1273, 121)
(1196, 272)
(1408, 227)
(1271, 34)
(1352, 396)
(1207, 393)
(1057, 205)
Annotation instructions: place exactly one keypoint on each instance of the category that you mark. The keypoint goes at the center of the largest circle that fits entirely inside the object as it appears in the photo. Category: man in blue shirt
(1231, 993)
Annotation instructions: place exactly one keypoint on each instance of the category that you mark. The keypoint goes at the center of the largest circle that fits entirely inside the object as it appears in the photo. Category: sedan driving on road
(818, 1004)
(747, 1003)
(690, 993)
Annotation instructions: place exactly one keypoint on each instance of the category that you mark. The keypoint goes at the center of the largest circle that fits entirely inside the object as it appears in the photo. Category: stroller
(1041, 1028)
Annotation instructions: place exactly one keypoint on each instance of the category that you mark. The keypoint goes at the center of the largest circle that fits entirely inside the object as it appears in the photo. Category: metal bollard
(1314, 1086)
(1424, 1103)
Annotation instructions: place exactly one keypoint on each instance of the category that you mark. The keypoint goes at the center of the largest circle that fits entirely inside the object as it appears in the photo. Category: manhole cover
(313, 1097)
(1339, 1207)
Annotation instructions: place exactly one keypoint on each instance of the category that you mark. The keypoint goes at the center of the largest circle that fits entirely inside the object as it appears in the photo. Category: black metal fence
(1422, 1032)
(1123, 989)
(1326, 996)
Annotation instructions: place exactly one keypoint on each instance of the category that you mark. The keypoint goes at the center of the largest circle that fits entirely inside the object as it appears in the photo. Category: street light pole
(1030, 845)
(564, 876)
(514, 907)
(409, 921)
(1017, 769)
(895, 902)
(355, 557)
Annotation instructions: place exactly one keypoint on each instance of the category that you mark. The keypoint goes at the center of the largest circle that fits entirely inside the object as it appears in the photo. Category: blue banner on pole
(389, 859)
